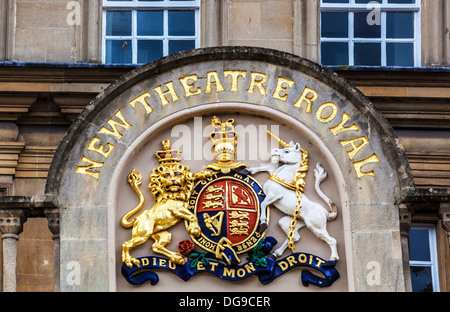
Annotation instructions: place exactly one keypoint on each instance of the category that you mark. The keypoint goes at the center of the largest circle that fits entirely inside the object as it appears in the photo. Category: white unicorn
(280, 194)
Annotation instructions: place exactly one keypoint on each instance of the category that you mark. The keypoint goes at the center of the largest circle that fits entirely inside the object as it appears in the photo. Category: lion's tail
(321, 175)
(135, 180)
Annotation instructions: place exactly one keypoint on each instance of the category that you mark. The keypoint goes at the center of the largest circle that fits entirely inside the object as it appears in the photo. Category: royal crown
(168, 155)
(224, 139)
(222, 130)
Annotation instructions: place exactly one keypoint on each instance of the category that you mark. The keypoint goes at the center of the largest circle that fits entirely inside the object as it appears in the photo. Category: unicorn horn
(282, 143)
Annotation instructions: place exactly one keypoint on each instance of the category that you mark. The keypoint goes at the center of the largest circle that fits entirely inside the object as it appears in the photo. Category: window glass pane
(181, 23)
(367, 54)
(365, 30)
(334, 25)
(334, 53)
(363, 1)
(400, 25)
(149, 50)
(400, 54)
(180, 45)
(118, 52)
(118, 23)
(421, 279)
(419, 245)
(150, 23)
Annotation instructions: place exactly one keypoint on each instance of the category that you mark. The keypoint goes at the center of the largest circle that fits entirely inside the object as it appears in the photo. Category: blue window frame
(138, 31)
(370, 33)
(423, 259)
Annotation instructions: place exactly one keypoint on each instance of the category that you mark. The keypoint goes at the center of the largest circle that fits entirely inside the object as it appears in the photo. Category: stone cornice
(61, 72)
(31, 206)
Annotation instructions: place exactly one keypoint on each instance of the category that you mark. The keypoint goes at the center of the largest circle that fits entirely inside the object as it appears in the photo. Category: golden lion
(171, 185)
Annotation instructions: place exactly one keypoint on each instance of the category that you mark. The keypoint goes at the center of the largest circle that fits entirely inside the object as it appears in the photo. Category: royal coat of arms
(226, 213)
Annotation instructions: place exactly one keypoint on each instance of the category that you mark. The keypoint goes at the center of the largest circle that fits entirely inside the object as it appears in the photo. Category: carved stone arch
(367, 165)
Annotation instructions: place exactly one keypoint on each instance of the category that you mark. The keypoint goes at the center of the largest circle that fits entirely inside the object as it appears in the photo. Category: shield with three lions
(228, 211)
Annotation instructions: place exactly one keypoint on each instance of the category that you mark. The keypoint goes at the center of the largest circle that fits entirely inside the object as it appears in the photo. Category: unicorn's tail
(321, 175)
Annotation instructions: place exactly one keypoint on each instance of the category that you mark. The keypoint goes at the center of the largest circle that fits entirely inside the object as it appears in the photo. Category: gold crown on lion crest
(168, 155)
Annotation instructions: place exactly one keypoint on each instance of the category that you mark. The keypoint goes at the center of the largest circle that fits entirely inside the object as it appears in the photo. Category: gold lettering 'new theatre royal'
(326, 112)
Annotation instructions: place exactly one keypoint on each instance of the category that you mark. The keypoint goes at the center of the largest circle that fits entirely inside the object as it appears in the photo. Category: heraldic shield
(228, 212)
(225, 213)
